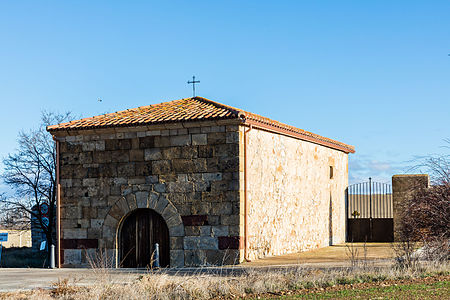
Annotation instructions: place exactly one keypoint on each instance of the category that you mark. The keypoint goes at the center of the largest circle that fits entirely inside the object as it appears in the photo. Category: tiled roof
(192, 109)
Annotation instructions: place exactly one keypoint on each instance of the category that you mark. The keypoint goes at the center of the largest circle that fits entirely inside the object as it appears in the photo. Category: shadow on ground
(22, 257)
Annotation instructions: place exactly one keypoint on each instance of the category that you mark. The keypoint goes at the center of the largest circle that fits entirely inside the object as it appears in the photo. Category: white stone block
(72, 256)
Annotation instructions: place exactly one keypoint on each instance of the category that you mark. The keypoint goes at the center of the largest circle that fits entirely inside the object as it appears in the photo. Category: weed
(204, 285)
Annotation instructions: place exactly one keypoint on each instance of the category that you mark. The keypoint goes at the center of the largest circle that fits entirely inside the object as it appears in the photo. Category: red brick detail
(79, 243)
(195, 220)
(230, 242)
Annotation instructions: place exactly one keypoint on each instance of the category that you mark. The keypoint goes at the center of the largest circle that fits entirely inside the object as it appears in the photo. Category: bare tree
(12, 219)
(31, 173)
(425, 216)
(430, 208)
(437, 166)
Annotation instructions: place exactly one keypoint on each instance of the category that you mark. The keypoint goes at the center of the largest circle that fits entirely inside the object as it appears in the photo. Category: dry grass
(207, 286)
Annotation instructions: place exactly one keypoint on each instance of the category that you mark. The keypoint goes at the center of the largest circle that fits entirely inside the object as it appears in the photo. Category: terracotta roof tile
(192, 109)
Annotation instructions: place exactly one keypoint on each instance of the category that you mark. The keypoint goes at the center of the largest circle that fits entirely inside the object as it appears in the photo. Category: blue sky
(372, 74)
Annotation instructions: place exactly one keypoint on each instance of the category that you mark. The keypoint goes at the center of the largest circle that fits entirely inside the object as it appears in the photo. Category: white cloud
(363, 167)
(355, 165)
(380, 166)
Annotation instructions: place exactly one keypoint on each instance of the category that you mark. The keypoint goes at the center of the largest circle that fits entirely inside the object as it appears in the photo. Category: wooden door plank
(139, 234)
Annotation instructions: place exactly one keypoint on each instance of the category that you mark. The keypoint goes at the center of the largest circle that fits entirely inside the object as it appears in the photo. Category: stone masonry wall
(293, 203)
(187, 172)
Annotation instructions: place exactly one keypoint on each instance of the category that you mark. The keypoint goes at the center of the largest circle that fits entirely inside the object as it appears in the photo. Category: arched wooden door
(140, 231)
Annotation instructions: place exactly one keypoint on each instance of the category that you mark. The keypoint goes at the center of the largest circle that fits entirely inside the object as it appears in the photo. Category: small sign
(42, 245)
(45, 221)
(44, 208)
(3, 236)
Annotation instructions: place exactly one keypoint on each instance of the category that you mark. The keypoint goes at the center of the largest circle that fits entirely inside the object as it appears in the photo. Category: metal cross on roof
(193, 84)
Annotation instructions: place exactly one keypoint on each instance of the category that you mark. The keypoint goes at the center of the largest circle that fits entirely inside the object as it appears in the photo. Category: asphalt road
(335, 257)
(14, 279)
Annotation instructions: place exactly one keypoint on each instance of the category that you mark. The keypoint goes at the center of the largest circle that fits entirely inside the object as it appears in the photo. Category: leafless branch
(31, 173)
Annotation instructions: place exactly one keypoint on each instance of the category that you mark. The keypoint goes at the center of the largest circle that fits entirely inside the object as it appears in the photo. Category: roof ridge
(234, 110)
(156, 104)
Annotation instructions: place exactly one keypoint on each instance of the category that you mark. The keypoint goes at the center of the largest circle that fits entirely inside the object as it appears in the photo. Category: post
(370, 209)
(52, 257)
(1, 248)
(156, 256)
(58, 206)
(346, 214)
(403, 186)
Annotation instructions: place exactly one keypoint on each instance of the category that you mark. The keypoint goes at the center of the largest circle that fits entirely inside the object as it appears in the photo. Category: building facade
(17, 238)
(208, 183)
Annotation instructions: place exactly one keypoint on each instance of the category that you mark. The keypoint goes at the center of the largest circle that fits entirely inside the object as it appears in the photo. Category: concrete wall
(17, 238)
(188, 173)
(293, 203)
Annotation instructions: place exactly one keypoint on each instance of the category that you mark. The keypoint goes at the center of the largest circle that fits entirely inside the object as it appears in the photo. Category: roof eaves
(300, 134)
(89, 127)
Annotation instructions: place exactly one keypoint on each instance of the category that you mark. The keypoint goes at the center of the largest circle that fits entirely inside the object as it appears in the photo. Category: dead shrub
(203, 285)
(425, 216)
(63, 288)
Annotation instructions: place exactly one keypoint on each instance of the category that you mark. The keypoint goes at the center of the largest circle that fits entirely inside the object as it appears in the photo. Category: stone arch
(136, 250)
(143, 199)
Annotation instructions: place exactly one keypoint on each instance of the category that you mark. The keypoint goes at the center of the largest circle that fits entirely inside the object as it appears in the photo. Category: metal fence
(369, 200)
(370, 212)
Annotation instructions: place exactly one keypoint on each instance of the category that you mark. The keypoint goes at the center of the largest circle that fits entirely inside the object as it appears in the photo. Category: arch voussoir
(110, 221)
(161, 204)
(116, 212)
(123, 205)
(152, 200)
(142, 199)
(174, 221)
(169, 212)
(131, 200)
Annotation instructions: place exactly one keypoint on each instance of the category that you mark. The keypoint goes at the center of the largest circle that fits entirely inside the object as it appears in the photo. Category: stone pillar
(402, 188)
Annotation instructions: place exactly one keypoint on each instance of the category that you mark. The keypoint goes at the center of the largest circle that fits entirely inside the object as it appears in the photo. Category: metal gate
(369, 212)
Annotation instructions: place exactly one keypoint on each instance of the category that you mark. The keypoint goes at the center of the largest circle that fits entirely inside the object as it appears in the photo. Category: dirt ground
(337, 255)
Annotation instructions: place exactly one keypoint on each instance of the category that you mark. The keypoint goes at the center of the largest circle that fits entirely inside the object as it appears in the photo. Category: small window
(331, 172)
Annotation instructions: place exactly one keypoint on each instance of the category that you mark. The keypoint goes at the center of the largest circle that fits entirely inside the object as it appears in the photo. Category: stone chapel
(211, 184)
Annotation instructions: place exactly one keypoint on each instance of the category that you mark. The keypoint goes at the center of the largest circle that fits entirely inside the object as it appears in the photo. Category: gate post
(370, 210)
(156, 264)
(52, 256)
(402, 188)
(346, 214)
